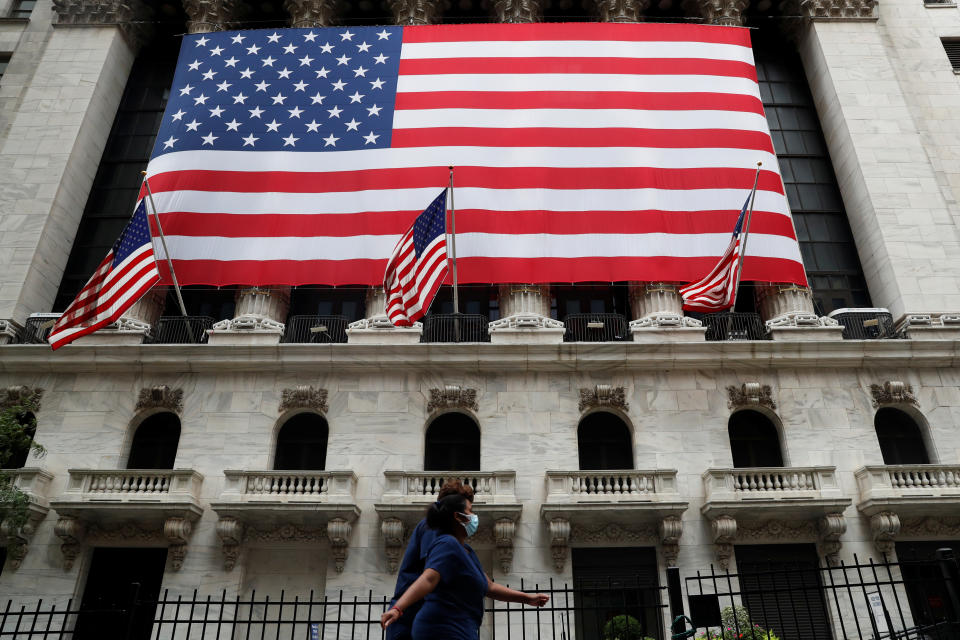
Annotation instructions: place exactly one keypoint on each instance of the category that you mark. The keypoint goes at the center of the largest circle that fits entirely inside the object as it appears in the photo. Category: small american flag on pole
(718, 290)
(128, 272)
(418, 265)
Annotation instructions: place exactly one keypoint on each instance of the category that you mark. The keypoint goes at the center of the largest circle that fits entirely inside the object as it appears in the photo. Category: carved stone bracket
(393, 533)
(671, 528)
(18, 540)
(727, 13)
(559, 542)
(893, 392)
(413, 12)
(130, 15)
(830, 527)
(504, 531)
(28, 397)
(304, 397)
(311, 13)
(338, 531)
(724, 533)
(621, 10)
(603, 395)
(750, 394)
(452, 397)
(177, 532)
(231, 532)
(160, 397)
(9, 331)
(71, 532)
(209, 15)
(884, 526)
(518, 10)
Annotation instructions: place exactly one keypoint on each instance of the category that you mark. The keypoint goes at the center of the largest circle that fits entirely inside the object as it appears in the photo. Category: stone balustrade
(580, 486)
(422, 486)
(290, 485)
(770, 483)
(133, 484)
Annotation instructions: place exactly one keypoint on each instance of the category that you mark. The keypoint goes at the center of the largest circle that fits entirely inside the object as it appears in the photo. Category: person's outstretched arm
(423, 585)
(505, 594)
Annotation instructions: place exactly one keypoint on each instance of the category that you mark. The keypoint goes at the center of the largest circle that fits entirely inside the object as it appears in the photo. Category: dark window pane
(754, 441)
(604, 442)
(900, 439)
(452, 444)
(155, 443)
(302, 444)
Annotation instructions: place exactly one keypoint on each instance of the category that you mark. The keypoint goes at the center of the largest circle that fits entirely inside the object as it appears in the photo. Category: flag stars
(201, 99)
(285, 73)
(374, 110)
(238, 39)
(309, 37)
(300, 86)
(208, 139)
(274, 37)
(313, 126)
(194, 66)
(233, 125)
(377, 84)
(208, 74)
(346, 35)
(305, 61)
(231, 62)
(169, 142)
(317, 99)
(185, 91)
(178, 115)
(274, 126)
(262, 85)
(216, 111)
(268, 61)
(216, 51)
(381, 59)
(364, 47)
(359, 71)
(290, 48)
(356, 97)
(253, 50)
(279, 98)
(255, 112)
(322, 72)
(290, 141)
(352, 125)
(370, 138)
(247, 73)
(202, 42)
(338, 85)
(330, 141)
(335, 112)
(343, 59)
(239, 99)
(250, 140)
(384, 35)
(326, 48)
(192, 126)
(295, 112)
(223, 86)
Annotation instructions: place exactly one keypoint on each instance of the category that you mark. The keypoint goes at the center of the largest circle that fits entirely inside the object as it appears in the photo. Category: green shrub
(623, 627)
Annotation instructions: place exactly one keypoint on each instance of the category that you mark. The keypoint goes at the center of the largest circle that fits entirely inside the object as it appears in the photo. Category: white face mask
(472, 523)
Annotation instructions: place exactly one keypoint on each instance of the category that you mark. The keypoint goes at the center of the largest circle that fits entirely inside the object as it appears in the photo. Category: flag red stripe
(487, 177)
(576, 31)
(471, 221)
(620, 66)
(687, 101)
(560, 137)
(138, 268)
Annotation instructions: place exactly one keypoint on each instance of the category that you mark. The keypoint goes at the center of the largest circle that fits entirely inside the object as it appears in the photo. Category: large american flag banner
(583, 152)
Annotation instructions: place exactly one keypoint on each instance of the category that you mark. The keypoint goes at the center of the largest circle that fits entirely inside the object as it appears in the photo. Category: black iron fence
(455, 327)
(596, 327)
(316, 329)
(867, 324)
(735, 326)
(181, 330)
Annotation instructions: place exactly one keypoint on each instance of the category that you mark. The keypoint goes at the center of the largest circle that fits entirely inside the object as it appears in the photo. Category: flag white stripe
(107, 311)
(110, 284)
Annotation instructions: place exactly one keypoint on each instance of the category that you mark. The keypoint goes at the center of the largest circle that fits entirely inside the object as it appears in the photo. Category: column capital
(726, 13)
(518, 10)
(414, 12)
(621, 10)
(130, 15)
(312, 13)
(209, 15)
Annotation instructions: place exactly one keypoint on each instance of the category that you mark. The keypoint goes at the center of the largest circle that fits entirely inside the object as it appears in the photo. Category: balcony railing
(906, 481)
(595, 327)
(455, 327)
(423, 486)
(735, 326)
(316, 329)
(288, 486)
(606, 486)
(770, 483)
(32, 481)
(133, 484)
(37, 327)
(181, 330)
(866, 324)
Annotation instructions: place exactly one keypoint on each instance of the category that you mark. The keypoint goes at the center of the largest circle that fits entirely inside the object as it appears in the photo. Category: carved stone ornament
(770, 530)
(71, 532)
(893, 392)
(452, 397)
(21, 395)
(311, 13)
(338, 531)
(724, 533)
(750, 394)
(602, 396)
(613, 534)
(18, 541)
(831, 527)
(933, 526)
(671, 528)
(209, 15)
(393, 533)
(160, 397)
(847, 10)
(726, 13)
(177, 531)
(559, 542)
(230, 531)
(286, 533)
(413, 12)
(130, 15)
(9, 331)
(504, 531)
(621, 10)
(304, 397)
(518, 10)
(884, 526)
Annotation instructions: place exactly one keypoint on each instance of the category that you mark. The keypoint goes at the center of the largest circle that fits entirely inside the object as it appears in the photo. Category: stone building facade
(847, 447)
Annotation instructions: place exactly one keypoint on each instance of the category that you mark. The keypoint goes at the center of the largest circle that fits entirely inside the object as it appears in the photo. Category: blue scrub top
(411, 567)
(454, 610)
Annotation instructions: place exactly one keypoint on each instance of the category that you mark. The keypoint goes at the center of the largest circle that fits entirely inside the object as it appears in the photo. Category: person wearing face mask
(453, 583)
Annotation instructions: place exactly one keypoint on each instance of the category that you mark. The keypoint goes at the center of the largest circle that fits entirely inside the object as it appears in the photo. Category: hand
(389, 617)
(537, 599)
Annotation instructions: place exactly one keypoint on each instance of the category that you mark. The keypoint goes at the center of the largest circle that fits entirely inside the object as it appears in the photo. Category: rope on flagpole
(746, 232)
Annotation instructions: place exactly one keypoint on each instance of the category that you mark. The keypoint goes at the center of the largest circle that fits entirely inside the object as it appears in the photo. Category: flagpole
(746, 233)
(453, 246)
(163, 241)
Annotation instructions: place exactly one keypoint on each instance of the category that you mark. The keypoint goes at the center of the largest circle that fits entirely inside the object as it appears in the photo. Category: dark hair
(441, 514)
(453, 486)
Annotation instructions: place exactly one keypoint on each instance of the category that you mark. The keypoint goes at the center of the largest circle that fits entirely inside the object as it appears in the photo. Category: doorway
(617, 593)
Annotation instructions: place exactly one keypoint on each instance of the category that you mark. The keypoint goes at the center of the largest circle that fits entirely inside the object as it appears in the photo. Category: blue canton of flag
(430, 224)
(283, 90)
(134, 236)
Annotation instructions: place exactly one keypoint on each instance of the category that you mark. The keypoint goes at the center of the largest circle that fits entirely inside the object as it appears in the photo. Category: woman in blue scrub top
(453, 583)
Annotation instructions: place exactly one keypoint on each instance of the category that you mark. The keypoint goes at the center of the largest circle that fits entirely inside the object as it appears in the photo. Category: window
(612, 583)
(317, 300)
(928, 589)
(302, 444)
(155, 443)
(952, 47)
(22, 8)
(901, 441)
(604, 442)
(19, 455)
(452, 444)
(753, 440)
(826, 243)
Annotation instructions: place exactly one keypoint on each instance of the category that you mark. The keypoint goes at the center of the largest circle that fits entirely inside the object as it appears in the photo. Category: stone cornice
(744, 356)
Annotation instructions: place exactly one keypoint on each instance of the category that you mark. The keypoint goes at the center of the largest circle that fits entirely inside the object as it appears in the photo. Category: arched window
(901, 440)
(452, 444)
(302, 444)
(19, 454)
(154, 444)
(604, 442)
(754, 440)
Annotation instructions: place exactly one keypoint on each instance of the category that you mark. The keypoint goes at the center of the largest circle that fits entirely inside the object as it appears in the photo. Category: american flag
(128, 272)
(418, 265)
(584, 152)
(717, 290)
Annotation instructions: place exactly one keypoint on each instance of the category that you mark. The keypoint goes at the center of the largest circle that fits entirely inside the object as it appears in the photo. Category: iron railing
(36, 328)
(181, 330)
(735, 326)
(316, 329)
(595, 327)
(867, 324)
(455, 327)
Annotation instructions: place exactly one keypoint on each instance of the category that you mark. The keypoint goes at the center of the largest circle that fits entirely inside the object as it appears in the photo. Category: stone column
(258, 319)
(414, 12)
(518, 10)
(209, 15)
(788, 312)
(311, 13)
(725, 13)
(376, 328)
(525, 316)
(621, 10)
(657, 311)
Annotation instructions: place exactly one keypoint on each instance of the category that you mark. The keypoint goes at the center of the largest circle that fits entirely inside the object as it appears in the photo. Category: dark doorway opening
(782, 591)
(302, 444)
(617, 593)
(754, 441)
(120, 596)
(901, 441)
(604, 442)
(155, 443)
(452, 444)
(926, 586)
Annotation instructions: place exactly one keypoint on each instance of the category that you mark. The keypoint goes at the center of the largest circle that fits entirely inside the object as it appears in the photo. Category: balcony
(735, 326)
(142, 503)
(302, 505)
(866, 324)
(407, 494)
(181, 330)
(613, 505)
(316, 329)
(596, 327)
(455, 327)
(35, 483)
